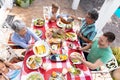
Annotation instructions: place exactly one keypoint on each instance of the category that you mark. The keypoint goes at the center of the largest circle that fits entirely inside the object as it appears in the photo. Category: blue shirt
(87, 31)
(24, 42)
(14, 74)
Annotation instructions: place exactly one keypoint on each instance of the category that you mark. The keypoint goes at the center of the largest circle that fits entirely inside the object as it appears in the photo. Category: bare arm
(12, 66)
(86, 47)
(77, 18)
(95, 65)
(83, 38)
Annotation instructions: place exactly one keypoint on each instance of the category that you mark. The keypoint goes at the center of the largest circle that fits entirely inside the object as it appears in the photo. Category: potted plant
(24, 3)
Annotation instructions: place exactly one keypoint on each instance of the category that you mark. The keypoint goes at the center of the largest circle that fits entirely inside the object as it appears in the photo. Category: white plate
(38, 32)
(60, 24)
(75, 61)
(41, 21)
(58, 77)
(75, 71)
(35, 75)
(47, 48)
(71, 36)
(32, 60)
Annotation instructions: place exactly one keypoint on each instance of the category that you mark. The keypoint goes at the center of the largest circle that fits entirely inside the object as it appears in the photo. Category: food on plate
(61, 24)
(55, 35)
(35, 76)
(58, 34)
(71, 36)
(38, 32)
(74, 71)
(58, 57)
(74, 60)
(54, 47)
(39, 22)
(70, 19)
(72, 46)
(40, 49)
(54, 74)
(63, 57)
(33, 62)
(69, 26)
(54, 40)
(64, 20)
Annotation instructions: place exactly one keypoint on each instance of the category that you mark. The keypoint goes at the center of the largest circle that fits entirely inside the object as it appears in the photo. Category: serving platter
(39, 22)
(41, 48)
(38, 32)
(58, 57)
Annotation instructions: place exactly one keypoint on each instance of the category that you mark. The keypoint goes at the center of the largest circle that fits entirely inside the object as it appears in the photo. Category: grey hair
(17, 25)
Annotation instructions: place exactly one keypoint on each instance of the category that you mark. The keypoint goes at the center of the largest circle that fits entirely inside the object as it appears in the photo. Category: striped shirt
(87, 31)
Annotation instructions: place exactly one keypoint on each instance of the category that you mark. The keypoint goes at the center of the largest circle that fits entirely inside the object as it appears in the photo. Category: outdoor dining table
(85, 73)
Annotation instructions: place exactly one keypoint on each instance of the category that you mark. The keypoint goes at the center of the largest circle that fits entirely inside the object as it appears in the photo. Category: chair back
(112, 64)
(6, 52)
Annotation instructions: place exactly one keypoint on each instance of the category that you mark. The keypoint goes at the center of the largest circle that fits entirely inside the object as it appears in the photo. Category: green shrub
(116, 52)
(24, 3)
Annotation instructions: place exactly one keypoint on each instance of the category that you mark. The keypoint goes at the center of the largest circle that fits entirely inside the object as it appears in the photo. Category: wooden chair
(12, 44)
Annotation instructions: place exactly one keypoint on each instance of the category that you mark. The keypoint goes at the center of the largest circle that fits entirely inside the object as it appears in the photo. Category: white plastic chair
(105, 70)
(7, 53)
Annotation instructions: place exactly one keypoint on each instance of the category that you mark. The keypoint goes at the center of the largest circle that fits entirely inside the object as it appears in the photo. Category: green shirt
(104, 54)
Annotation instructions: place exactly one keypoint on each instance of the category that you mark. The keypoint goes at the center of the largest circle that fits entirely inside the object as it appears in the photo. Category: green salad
(35, 77)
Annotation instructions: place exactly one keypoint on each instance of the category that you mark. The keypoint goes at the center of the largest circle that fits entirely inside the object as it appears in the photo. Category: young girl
(53, 15)
(9, 71)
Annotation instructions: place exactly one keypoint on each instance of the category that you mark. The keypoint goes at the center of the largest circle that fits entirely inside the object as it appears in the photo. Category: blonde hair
(55, 5)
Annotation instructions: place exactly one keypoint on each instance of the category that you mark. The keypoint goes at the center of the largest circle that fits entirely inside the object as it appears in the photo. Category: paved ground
(36, 10)
(113, 24)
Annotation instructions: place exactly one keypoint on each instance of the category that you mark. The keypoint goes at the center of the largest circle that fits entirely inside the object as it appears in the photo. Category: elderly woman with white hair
(22, 35)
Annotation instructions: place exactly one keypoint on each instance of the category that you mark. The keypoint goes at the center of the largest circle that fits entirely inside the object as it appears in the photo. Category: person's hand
(78, 48)
(16, 66)
(30, 46)
(76, 56)
(78, 34)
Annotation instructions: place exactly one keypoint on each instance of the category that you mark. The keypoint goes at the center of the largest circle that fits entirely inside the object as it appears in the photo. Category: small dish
(58, 57)
(38, 32)
(39, 22)
(74, 71)
(56, 76)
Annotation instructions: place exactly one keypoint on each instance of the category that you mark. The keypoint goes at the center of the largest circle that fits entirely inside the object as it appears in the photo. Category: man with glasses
(87, 30)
